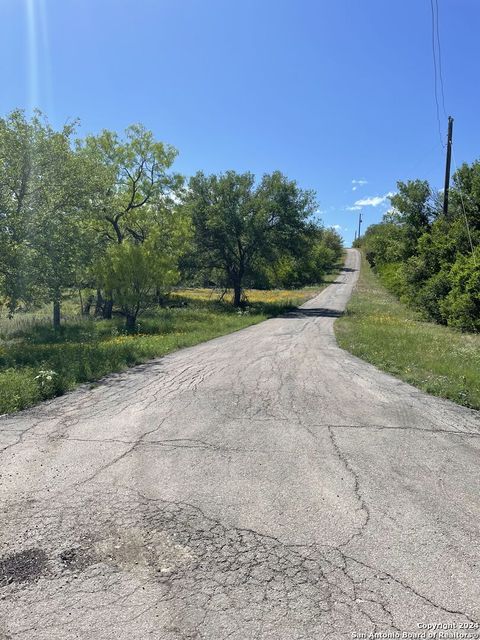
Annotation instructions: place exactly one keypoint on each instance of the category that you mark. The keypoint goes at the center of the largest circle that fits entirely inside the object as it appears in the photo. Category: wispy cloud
(373, 201)
(337, 227)
(358, 183)
(354, 208)
(370, 202)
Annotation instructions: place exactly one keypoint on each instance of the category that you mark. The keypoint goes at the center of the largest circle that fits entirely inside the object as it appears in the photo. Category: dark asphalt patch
(76, 559)
(25, 566)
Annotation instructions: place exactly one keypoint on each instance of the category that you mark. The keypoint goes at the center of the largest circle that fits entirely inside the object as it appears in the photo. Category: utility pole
(447, 166)
(359, 223)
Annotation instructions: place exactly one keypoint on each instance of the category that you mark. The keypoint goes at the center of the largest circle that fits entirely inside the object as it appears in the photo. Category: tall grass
(383, 331)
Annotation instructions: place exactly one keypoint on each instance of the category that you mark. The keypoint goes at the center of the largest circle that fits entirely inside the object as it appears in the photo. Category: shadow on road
(313, 313)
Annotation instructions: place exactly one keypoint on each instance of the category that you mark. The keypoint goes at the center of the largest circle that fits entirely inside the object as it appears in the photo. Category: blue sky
(329, 92)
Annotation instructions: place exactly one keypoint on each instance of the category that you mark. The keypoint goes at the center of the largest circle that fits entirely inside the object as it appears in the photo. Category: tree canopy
(429, 260)
(238, 222)
(107, 216)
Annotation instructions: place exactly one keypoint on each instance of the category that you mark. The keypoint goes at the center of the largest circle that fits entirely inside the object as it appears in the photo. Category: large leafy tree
(45, 191)
(17, 185)
(465, 198)
(236, 221)
(414, 210)
(136, 180)
(139, 194)
(60, 230)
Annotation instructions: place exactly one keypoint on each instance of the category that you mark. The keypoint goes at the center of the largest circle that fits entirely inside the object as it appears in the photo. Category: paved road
(264, 485)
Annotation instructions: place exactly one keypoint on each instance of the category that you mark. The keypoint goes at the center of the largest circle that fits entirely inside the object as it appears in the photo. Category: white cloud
(358, 183)
(373, 201)
(354, 208)
(337, 227)
(370, 202)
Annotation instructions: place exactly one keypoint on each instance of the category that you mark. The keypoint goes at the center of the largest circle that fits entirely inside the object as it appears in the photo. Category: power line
(434, 54)
(439, 75)
(440, 60)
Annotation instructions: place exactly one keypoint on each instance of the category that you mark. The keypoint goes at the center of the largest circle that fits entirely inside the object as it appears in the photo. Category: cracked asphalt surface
(263, 485)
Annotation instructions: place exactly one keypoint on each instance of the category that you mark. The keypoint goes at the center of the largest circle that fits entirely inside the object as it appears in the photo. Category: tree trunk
(237, 294)
(107, 309)
(82, 312)
(159, 297)
(56, 314)
(99, 303)
(88, 305)
(130, 323)
(237, 279)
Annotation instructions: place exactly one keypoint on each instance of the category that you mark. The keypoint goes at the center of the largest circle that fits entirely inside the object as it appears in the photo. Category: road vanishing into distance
(265, 484)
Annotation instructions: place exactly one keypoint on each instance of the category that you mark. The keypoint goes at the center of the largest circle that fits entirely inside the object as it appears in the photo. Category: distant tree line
(106, 216)
(429, 260)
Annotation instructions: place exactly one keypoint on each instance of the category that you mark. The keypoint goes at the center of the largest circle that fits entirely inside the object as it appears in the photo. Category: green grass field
(435, 358)
(37, 363)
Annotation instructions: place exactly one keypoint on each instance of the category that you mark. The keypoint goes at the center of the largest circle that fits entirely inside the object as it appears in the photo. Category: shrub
(18, 389)
(383, 243)
(392, 277)
(430, 297)
(461, 307)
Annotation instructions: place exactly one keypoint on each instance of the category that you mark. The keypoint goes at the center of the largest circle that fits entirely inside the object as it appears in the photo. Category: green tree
(413, 210)
(60, 233)
(383, 243)
(465, 197)
(17, 184)
(136, 180)
(237, 222)
(45, 191)
(137, 187)
(135, 273)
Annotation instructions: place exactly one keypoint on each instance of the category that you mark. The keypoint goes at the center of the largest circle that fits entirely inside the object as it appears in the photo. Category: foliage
(239, 225)
(135, 273)
(413, 210)
(318, 253)
(106, 215)
(382, 243)
(106, 220)
(64, 203)
(136, 183)
(45, 191)
(461, 305)
(426, 259)
(15, 179)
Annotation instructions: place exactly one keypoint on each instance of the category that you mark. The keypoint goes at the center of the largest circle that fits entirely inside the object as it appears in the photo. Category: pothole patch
(24, 566)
